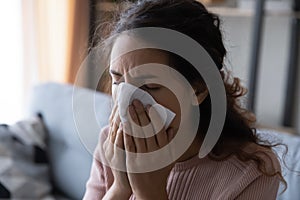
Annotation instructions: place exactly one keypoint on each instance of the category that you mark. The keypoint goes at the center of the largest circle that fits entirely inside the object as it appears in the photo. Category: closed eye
(151, 86)
(145, 86)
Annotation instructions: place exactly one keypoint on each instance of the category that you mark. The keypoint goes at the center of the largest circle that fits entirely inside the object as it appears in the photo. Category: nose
(127, 78)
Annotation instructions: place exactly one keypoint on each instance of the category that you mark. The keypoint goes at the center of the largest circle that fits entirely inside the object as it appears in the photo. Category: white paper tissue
(126, 93)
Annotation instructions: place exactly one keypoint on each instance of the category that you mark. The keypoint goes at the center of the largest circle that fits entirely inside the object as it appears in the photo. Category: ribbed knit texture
(199, 179)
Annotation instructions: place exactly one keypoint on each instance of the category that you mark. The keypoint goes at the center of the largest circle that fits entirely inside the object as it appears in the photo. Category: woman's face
(127, 68)
(123, 69)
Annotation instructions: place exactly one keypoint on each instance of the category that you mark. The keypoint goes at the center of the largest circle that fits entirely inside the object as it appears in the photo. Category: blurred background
(47, 40)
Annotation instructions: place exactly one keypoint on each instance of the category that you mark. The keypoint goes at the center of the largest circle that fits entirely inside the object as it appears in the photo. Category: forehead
(123, 62)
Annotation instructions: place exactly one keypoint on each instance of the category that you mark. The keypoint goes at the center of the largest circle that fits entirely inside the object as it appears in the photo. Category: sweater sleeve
(101, 177)
(95, 187)
(262, 188)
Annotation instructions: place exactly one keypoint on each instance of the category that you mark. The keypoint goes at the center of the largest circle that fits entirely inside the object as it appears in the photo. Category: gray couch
(74, 118)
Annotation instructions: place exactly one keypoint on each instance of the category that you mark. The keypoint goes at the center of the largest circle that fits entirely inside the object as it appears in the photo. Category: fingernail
(121, 125)
(131, 109)
(136, 103)
(148, 107)
(132, 113)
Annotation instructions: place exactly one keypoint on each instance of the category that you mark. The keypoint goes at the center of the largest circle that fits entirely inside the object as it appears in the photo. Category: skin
(150, 185)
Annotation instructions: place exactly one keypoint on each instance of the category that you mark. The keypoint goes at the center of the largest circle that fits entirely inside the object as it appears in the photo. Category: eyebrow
(115, 73)
(139, 77)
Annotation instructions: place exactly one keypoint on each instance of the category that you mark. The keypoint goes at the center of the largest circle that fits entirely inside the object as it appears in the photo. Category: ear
(198, 97)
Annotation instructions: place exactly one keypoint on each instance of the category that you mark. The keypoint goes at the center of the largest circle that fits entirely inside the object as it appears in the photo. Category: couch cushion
(291, 167)
(74, 117)
(24, 170)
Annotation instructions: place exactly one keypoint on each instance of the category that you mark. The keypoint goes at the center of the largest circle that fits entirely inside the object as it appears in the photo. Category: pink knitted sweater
(198, 179)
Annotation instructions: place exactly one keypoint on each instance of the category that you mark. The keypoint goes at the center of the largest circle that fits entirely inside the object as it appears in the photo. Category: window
(11, 69)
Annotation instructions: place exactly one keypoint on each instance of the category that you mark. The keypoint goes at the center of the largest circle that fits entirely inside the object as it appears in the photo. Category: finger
(155, 118)
(138, 135)
(128, 140)
(147, 127)
(113, 133)
(109, 136)
(108, 149)
(133, 116)
(140, 144)
(116, 118)
(134, 122)
(158, 125)
(141, 112)
(162, 138)
(113, 112)
(115, 128)
(136, 128)
(112, 124)
(115, 125)
(151, 143)
(119, 160)
(171, 147)
(119, 142)
(170, 134)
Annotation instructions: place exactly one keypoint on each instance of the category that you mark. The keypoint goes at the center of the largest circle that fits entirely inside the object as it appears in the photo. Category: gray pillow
(290, 163)
(74, 117)
(24, 171)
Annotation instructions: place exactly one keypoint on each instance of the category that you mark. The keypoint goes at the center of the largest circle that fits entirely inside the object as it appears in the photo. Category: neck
(192, 151)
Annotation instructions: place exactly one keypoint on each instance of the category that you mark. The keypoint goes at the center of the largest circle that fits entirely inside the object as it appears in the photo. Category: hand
(121, 188)
(149, 185)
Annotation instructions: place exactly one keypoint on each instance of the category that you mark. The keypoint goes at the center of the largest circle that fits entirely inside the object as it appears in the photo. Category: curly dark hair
(191, 18)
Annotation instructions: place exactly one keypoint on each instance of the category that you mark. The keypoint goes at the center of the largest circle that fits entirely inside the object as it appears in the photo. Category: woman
(240, 166)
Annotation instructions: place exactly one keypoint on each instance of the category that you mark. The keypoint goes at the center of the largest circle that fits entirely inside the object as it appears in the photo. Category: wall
(273, 64)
